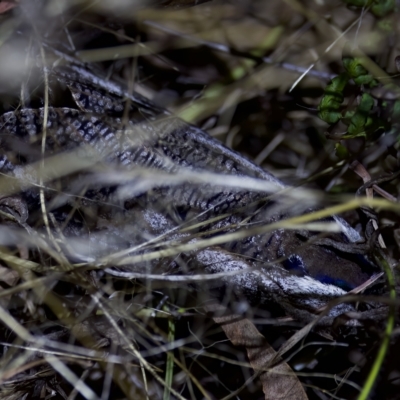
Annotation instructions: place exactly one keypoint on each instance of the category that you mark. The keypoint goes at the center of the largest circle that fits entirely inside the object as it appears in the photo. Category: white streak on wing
(275, 283)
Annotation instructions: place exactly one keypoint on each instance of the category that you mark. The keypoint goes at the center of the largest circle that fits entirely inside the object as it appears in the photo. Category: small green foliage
(361, 120)
(378, 106)
(329, 107)
(357, 72)
(341, 151)
(380, 8)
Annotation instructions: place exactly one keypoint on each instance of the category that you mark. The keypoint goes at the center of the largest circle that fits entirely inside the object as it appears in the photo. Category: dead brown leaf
(279, 381)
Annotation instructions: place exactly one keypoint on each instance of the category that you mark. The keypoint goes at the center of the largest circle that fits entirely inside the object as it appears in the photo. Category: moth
(137, 192)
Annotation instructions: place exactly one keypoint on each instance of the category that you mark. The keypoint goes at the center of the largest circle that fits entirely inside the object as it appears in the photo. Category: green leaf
(361, 119)
(329, 107)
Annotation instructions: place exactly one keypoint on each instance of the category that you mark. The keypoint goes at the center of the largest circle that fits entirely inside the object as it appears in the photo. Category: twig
(359, 169)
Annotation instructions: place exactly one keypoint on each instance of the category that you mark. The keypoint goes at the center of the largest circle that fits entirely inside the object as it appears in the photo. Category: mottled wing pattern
(185, 144)
(97, 95)
(141, 144)
(170, 144)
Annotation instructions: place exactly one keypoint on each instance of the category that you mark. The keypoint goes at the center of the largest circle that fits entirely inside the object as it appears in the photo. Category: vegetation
(309, 91)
